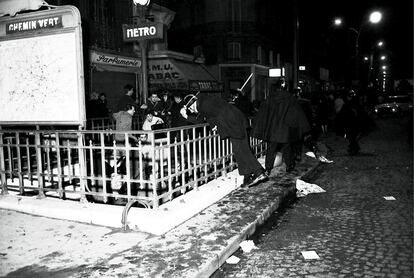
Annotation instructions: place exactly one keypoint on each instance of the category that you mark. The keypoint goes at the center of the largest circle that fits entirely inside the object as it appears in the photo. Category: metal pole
(144, 58)
(295, 44)
(4, 190)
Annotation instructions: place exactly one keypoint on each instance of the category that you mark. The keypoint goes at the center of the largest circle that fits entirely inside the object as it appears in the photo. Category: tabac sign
(141, 32)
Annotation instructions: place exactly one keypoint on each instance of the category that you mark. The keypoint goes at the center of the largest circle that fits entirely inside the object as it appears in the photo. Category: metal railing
(109, 166)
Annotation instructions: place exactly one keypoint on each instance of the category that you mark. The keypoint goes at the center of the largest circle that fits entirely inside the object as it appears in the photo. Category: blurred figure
(312, 134)
(352, 121)
(103, 111)
(150, 120)
(176, 118)
(323, 111)
(153, 105)
(123, 120)
(165, 108)
(92, 106)
(126, 98)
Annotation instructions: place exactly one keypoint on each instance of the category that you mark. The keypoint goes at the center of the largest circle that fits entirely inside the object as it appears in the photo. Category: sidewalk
(34, 246)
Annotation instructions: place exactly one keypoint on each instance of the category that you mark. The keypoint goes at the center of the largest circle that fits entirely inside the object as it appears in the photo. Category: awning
(100, 67)
(171, 74)
(109, 62)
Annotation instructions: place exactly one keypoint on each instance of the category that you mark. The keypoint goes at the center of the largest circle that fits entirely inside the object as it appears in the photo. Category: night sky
(396, 27)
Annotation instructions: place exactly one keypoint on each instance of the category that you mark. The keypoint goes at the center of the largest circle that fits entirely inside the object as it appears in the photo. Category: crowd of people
(286, 121)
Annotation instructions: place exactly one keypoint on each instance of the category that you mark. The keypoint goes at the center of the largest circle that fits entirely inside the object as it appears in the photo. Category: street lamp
(338, 21)
(374, 18)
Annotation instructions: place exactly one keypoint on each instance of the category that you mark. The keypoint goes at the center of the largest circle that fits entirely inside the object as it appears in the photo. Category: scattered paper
(324, 159)
(310, 255)
(320, 158)
(389, 198)
(247, 246)
(310, 154)
(232, 260)
(304, 188)
(209, 237)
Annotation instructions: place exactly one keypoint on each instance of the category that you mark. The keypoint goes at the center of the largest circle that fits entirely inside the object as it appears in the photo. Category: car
(395, 105)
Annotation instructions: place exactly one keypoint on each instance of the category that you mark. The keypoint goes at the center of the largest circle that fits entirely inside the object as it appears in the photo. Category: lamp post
(143, 46)
(374, 18)
(378, 45)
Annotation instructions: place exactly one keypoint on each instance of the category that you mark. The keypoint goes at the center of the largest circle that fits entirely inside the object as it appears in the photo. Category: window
(234, 51)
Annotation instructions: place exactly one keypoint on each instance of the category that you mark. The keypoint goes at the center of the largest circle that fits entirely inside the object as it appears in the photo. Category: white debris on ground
(304, 188)
(247, 246)
(320, 158)
(389, 198)
(310, 255)
(209, 237)
(232, 260)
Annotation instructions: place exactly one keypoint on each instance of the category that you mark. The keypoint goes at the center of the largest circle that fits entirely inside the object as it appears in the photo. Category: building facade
(235, 37)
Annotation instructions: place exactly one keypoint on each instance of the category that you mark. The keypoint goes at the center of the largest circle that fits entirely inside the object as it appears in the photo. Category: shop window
(234, 51)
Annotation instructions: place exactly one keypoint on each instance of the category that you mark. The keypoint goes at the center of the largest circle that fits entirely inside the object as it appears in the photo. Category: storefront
(109, 74)
(180, 75)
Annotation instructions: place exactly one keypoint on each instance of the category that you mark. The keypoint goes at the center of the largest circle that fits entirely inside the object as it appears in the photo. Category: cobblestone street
(353, 229)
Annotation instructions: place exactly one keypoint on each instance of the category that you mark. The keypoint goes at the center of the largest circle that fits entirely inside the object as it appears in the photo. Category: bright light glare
(383, 57)
(337, 21)
(380, 43)
(384, 67)
(141, 2)
(365, 58)
(375, 17)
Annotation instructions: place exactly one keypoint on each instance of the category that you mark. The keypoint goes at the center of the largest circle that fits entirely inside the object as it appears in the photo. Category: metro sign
(141, 32)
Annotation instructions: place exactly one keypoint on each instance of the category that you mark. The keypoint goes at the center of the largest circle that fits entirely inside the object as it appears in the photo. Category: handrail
(81, 164)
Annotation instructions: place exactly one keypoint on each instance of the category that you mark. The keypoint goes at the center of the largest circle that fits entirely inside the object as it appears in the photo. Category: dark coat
(230, 121)
(353, 119)
(123, 102)
(280, 119)
(176, 118)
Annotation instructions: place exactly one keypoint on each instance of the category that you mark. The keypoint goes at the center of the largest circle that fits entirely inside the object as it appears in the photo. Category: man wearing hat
(230, 123)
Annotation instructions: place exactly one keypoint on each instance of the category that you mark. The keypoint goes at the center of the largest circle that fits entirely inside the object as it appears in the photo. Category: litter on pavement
(310, 255)
(233, 260)
(304, 188)
(320, 158)
(209, 237)
(389, 198)
(247, 246)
